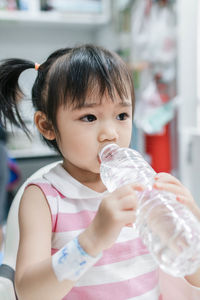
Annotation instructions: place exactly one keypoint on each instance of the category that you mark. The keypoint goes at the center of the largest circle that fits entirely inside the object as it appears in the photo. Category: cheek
(77, 144)
(126, 133)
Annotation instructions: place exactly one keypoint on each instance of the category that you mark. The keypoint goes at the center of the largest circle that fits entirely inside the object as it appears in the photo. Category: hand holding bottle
(167, 182)
(116, 210)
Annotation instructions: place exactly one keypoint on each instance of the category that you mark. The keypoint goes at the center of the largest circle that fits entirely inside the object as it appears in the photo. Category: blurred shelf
(56, 17)
(32, 153)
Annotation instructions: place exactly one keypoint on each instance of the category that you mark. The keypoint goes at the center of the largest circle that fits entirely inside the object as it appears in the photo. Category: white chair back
(7, 268)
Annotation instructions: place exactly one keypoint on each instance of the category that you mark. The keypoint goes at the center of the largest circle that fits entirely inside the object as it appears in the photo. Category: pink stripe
(118, 290)
(73, 221)
(48, 189)
(53, 251)
(120, 251)
(54, 219)
(123, 251)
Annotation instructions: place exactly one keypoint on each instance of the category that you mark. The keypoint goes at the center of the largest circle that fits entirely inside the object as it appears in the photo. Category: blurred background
(159, 40)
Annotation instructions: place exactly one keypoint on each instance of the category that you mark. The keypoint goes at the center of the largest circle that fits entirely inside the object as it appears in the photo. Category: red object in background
(158, 146)
(159, 150)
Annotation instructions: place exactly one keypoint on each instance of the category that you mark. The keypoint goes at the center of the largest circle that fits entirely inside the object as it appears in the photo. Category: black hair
(3, 135)
(65, 78)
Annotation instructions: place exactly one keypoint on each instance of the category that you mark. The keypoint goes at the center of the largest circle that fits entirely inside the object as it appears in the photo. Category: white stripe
(69, 186)
(59, 239)
(38, 181)
(119, 271)
(53, 203)
(67, 205)
(151, 295)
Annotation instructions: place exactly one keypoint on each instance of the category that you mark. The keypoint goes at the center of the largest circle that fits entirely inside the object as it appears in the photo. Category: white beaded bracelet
(71, 261)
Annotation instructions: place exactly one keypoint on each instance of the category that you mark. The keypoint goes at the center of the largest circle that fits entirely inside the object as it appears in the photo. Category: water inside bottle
(167, 228)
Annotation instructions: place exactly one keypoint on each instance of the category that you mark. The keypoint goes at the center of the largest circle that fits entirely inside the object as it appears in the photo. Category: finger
(138, 187)
(182, 199)
(166, 177)
(168, 187)
(129, 203)
(129, 217)
(185, 200)
(123, 191)
(127, 190)
(191, 205)
(129, 225)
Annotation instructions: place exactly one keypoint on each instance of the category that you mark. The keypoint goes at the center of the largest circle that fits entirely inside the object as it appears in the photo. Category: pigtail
(10, 92)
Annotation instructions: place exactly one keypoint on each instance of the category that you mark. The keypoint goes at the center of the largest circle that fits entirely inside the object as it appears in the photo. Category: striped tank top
(125, 271)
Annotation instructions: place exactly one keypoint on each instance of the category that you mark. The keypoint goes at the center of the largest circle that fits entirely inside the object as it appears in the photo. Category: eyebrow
(121, 104)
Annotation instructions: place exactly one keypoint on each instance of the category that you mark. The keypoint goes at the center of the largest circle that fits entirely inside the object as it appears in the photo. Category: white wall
(189, 146)
(35, 41)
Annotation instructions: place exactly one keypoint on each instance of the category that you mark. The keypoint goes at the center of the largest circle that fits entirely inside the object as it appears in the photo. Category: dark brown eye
(122, 116)
(89, 118)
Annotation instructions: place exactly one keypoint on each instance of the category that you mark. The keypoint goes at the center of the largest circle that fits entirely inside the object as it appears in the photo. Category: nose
(108, 132)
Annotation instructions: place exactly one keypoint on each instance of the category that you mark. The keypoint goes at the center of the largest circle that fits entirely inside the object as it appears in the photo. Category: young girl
(76, 241)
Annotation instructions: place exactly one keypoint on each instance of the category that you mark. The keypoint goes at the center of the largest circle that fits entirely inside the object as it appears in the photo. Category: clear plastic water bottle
(168, 229)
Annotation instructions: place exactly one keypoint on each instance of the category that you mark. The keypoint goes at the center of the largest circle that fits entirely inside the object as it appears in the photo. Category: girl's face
(85, 131)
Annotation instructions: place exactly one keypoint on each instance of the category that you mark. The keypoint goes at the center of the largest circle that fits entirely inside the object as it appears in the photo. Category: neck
(87, 178)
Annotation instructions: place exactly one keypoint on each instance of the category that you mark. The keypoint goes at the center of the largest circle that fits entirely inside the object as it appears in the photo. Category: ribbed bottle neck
(107, 152)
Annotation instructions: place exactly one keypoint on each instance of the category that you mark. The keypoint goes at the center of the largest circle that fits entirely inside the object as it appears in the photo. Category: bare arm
(35, 278)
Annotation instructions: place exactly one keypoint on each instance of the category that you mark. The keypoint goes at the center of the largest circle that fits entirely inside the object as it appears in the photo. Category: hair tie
(37, 66)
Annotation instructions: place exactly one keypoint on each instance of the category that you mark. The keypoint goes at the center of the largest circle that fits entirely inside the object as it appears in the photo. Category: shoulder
(37, 188)
(40, 200)
(34, 211)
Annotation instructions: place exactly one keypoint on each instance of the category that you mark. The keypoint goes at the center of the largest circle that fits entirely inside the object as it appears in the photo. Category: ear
(44, 126)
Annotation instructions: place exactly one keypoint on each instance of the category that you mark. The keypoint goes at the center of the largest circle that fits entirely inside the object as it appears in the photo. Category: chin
(96, 169)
